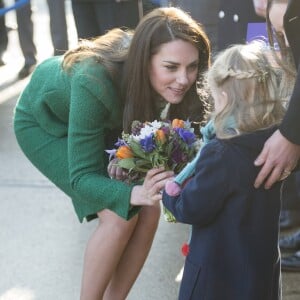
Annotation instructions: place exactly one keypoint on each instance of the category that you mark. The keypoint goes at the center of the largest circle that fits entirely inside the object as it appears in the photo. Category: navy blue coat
(233, 250)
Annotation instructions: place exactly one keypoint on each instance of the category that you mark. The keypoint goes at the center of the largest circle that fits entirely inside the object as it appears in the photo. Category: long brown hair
(160, 26)
(109, 49)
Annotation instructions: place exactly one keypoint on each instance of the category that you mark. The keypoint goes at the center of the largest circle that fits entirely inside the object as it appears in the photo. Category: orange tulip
(124, 152)
(160, 136)
(177, 123)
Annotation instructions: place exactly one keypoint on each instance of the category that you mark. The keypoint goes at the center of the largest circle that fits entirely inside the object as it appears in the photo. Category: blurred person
(3, 35)
(71, 111)
(234, 17)
(206, 13)
(58, 31)
(281, 152)
(283, 17)
(95, 17)
(290, 211)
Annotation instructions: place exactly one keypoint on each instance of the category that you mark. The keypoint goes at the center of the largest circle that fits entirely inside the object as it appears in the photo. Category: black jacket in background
(290, 127)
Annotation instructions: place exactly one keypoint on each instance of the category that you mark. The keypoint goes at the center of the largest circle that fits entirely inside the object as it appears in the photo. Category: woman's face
(276, 14)
(174, 69)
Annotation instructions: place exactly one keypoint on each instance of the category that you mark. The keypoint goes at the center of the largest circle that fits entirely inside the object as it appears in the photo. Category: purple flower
(147, 143)
(176, 155)
(187, 136)
(166, 130)
(120, 143)
(112, 153)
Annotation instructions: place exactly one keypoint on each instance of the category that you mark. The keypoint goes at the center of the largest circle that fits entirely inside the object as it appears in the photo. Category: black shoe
(290, 242)
(289, 219)
(26, 71)
(291, 263)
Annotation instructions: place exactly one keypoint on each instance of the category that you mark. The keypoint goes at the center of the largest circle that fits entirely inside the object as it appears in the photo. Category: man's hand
(260, 7)
(278, 158)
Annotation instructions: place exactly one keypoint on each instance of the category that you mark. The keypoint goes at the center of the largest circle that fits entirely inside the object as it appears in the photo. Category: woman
(70, 113)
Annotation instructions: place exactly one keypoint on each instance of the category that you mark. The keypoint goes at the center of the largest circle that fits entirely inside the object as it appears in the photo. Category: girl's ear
(225, 96)
(224, 99)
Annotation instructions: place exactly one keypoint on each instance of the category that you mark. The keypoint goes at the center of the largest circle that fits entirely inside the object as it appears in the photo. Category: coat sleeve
(91, 111)
(205, 194)
(290, 126)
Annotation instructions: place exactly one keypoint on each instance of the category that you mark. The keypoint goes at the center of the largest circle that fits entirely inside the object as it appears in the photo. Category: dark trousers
(95, 18)
(291, 192)
(3, 32)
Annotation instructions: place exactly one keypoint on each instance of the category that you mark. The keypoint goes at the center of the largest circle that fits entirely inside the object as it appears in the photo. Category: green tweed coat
(63, 122)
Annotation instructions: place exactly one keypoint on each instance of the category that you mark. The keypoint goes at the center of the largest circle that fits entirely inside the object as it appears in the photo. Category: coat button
(221, 14)
(235, 18)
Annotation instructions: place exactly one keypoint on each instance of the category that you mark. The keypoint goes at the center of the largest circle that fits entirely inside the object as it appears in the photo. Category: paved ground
(42, 243)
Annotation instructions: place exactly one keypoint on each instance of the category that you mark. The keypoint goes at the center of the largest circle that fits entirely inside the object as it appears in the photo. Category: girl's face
(276, 14)
(174, 69)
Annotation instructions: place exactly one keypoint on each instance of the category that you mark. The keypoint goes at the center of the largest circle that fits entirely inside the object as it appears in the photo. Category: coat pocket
(192, 284)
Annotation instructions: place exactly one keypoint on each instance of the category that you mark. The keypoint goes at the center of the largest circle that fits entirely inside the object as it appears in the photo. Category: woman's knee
(115, 224)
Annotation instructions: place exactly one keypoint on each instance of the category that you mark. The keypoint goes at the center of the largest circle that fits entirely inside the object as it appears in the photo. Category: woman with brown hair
(71, 112)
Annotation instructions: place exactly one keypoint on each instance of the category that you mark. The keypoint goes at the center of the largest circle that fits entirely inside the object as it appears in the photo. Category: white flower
(147, 130)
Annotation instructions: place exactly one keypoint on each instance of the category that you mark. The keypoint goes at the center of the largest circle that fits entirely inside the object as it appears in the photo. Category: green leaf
(136, 149)
(127, 163)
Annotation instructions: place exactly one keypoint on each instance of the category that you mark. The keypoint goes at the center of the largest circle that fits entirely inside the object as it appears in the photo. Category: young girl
(71, 111)
(233, 252)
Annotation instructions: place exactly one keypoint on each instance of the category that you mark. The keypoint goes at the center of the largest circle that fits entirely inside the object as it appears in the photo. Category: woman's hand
(278, 158)
(116, 172)
(150, 192)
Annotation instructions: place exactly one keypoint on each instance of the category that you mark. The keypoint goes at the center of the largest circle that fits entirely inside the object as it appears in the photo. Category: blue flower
(147, 143)
(120, 143)
(186, 135)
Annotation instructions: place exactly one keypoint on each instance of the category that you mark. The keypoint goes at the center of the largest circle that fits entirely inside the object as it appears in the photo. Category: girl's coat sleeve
(205, 194)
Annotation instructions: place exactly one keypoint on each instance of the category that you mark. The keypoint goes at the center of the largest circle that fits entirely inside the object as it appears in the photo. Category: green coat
(64, 122)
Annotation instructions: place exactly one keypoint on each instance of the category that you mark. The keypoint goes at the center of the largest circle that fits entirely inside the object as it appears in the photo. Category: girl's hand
(116, 172)
(150, 192)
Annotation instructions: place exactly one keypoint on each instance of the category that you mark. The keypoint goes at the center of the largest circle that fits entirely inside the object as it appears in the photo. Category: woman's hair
(277, 42)
(245, 74)
(110, 50)
(160, 26)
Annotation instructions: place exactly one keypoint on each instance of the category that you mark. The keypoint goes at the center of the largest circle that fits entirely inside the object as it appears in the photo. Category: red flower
(185, 249)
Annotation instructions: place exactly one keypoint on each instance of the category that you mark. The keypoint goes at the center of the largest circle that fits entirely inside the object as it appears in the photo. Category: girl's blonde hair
(251, 84)
(110, 50)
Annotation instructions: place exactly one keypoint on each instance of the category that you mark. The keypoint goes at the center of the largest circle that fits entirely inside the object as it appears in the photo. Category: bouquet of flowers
(154, 144)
